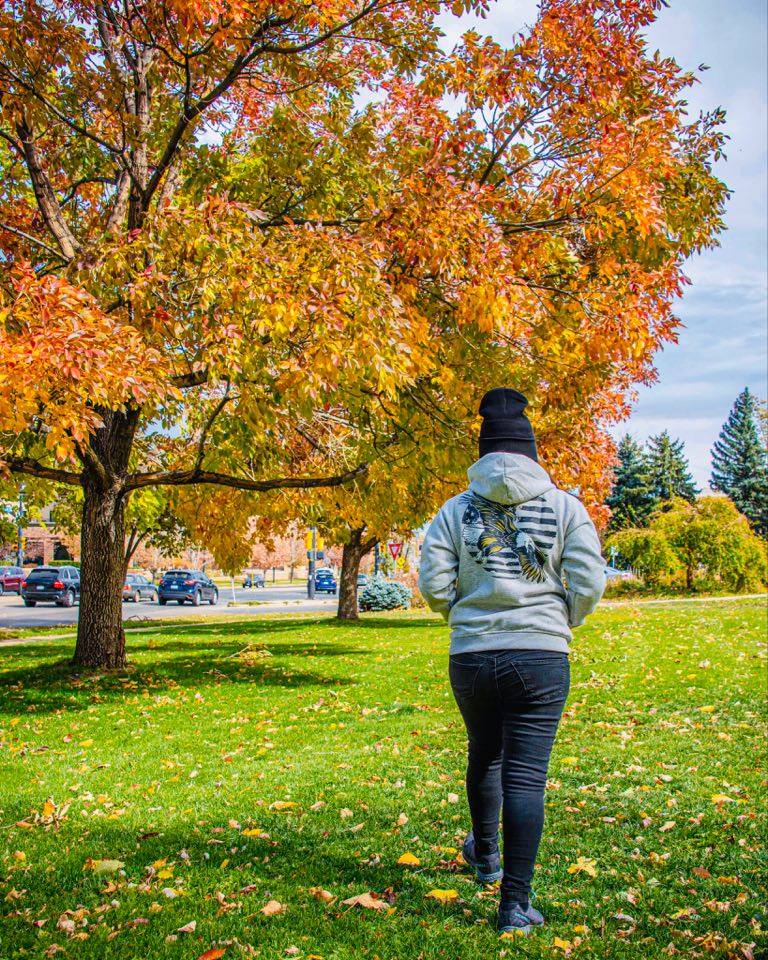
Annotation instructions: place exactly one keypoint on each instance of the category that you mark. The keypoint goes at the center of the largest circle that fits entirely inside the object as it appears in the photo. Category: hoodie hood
(508, 478)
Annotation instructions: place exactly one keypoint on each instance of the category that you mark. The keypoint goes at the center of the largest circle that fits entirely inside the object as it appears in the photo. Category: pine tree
(668, 469)
(739, 463)
(632, 499)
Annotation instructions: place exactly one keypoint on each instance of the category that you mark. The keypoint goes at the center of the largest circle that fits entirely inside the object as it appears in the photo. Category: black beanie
(505, 427)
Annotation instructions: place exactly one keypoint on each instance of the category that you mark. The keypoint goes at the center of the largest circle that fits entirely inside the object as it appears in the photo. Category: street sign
(394, 549)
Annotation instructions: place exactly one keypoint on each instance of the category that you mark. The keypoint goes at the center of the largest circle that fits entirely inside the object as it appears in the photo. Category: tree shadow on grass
(200, 655)
(49, 686)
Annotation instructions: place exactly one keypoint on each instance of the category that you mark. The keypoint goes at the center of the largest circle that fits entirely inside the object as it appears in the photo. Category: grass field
(157, 813)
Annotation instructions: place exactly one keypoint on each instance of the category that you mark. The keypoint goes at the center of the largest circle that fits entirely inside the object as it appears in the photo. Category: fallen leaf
(667, 826)
(565, 945)
(188, 927)
(273, 907)
(443, 896)
(319, 894)
(409, 860)
(402, 820)
(584, 865)
(101, 867)
(368, 900)
(212, 954)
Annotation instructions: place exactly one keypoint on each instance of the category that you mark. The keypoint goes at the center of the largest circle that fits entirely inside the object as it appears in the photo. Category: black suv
(59, 585)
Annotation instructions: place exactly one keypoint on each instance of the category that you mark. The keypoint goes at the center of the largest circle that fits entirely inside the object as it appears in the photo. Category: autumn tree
(134, 296)
(222, 269)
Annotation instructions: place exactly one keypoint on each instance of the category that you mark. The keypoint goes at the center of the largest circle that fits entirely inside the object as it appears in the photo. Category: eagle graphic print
(509, 541)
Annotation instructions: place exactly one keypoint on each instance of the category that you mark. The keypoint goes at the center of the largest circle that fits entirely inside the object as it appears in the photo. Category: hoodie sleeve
(584, 568)
(439, 566)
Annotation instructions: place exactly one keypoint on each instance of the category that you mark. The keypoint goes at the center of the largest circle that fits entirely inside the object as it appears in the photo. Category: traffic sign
(394, 549)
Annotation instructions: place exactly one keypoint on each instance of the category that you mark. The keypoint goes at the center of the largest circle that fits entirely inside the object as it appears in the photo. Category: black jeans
(511, 702)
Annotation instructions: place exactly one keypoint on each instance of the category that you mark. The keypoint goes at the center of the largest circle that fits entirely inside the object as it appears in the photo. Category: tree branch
(49, 206)
(181, 478)
(30, 239)
(33, 468)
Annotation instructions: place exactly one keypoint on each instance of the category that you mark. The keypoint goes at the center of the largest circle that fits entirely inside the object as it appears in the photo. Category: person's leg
(477, 698)
(534, 686)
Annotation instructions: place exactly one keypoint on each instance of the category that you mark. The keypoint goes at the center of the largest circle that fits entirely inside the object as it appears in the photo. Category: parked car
(362, 579)
(325, 581)
(190, 586)
(137, 587)
(253, 580)
(611, 573)
(11, 579)
(59, 585)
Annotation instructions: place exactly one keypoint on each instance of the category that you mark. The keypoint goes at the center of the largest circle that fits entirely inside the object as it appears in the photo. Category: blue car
(325, 582)
(187, 586)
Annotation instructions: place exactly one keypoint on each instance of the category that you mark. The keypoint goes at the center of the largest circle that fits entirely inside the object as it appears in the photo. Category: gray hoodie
(513, 562)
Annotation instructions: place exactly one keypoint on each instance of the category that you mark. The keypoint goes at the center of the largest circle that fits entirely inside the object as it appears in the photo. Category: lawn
(156, 813)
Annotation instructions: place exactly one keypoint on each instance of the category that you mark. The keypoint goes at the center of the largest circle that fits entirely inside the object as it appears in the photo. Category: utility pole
(311, 568)
(20, 529)
(376, 560)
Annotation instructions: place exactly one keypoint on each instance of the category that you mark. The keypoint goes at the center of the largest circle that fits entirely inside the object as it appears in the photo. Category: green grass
(170, 763)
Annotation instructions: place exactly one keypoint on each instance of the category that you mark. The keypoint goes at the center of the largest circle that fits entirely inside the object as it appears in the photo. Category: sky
(723, 345)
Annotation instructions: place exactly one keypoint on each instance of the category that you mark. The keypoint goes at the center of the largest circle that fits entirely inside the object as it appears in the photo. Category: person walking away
(513, 564)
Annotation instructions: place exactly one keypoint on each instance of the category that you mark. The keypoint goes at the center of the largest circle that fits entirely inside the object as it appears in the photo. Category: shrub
(703, 545)
(381, 594)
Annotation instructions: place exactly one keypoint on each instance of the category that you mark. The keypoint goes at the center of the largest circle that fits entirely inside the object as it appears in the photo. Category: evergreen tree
(668, 469)
(632, 499)
(739, 464)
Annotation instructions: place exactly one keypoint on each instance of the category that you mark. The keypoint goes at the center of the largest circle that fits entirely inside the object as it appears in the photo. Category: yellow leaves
(256, 832)
(282, 805)
(667, 826)
(409, 860)
(443, 896)
(102, 868)
(720, 798)
(584, 865)
(48, 810)
(564, 946)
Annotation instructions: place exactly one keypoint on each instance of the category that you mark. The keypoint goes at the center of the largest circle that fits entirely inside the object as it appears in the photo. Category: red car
(11, 579)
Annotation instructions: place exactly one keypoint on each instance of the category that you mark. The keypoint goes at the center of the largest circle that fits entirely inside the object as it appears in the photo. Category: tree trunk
(100, 636)
(352, 553)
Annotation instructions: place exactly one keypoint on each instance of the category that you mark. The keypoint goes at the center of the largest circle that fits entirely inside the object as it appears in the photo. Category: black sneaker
(515, 917)
(487, 869)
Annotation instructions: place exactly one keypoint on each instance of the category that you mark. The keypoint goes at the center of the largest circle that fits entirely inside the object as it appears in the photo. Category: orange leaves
(60, 353)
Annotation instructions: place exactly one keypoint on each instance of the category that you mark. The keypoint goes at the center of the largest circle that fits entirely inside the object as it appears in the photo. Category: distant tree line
(650, 476)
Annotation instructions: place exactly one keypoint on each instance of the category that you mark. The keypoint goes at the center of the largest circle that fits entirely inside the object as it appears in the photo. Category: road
(277, 599)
